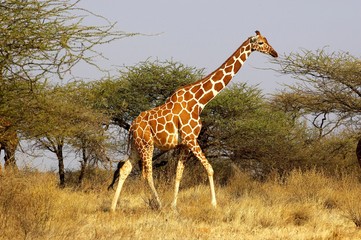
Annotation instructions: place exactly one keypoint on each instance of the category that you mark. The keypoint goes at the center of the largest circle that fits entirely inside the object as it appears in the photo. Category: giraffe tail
(121, 163)
(116, 175)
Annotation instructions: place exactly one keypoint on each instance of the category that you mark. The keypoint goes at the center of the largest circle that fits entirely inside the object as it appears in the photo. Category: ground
(302, 205)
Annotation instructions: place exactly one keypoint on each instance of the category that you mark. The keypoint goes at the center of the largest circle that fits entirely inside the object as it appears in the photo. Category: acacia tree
(329, 91)
(93, 143)
(42, 40)
(45, 37)
(66, 121)
(240, 125)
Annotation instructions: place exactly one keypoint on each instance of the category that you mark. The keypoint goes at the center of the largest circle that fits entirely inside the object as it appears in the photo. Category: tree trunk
(9, 158)
(84, 165)
(59, 154)
(358, 152)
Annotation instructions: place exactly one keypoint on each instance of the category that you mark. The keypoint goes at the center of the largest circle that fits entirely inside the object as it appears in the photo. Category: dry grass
(303, 205)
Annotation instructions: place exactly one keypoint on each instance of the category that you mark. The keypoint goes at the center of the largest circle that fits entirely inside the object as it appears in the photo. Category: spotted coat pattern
(177, 121)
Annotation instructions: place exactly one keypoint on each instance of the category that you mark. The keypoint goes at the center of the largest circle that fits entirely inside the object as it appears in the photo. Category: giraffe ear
(253, 39)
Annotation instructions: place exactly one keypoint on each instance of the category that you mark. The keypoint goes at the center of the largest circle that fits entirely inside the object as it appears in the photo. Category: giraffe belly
(166, 141)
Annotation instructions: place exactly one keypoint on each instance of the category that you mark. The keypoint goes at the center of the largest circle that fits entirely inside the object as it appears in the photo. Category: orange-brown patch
(187, 96)
(184, 116)
(197, 130)
(237, 66)
(169, 127)
(183, 104)
(187, 129)
(147, 136)
(177, 108)
(195, 115)
(230, 61)
(193, 123)
(162, 120)
(153, 123)
(169, 105)
(227, 78)
(195, 88)
(199, 94)
(243, 57)
(207, 85)
(162, 136)
(173, 98)
(229, 69)
(191, 103)
(218, 75)
(206, 98)
(180, 98)
(160, 127)
(168, 115)
(137, 132)
(218, 86)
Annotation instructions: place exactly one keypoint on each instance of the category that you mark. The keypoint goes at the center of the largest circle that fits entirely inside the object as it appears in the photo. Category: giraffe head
(259, 43)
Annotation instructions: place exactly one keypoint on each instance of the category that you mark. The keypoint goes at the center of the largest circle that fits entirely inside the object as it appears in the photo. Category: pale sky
(203, 34)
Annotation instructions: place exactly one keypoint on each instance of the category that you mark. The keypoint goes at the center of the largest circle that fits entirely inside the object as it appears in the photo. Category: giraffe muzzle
(273, 53)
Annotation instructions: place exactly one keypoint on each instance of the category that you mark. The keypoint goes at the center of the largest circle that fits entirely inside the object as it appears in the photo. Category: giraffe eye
(260, 43)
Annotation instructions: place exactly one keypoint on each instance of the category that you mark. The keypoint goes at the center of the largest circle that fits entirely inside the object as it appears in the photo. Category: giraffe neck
(219, 79)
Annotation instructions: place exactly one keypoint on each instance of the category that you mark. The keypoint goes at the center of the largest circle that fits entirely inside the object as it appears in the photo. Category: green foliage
(39, 41)
(327, 98)
(240, 125)
(141, 87)
(41, 37)
(328, 92)
(59, 111)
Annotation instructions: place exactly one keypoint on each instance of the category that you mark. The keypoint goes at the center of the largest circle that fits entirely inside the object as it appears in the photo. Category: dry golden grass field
(303, 205)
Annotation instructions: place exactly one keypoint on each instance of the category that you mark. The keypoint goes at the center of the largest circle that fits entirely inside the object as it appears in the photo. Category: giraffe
(176, 123)
(8, 142)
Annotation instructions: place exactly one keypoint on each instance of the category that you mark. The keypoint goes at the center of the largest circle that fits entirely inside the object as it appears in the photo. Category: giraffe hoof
(154, 204)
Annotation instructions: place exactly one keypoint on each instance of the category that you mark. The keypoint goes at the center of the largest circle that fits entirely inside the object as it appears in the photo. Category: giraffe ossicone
(177, 122)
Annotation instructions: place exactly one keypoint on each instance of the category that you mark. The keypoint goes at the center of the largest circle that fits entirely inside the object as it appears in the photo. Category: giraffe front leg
(210, 173)
(197, 151)
(123, 174)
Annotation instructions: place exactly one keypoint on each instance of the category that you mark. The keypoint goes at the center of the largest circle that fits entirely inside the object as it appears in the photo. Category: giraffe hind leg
(180, 167)
(123, 174)
(116, 175)
(148, 175)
